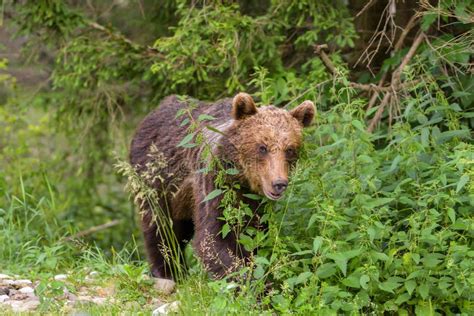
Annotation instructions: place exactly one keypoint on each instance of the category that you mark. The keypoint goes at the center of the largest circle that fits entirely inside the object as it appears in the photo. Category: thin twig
(93, 230)
(366, 7)
(121, 37)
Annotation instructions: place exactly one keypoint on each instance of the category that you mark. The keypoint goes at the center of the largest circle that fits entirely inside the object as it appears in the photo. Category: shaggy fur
(261, 143)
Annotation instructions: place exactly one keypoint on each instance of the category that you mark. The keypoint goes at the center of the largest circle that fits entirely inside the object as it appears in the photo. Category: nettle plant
(371, 223)
(363, 229)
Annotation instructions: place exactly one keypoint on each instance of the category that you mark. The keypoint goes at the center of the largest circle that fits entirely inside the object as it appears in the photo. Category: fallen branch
(410, 24)
(93, 230)
(411, 52)
(378, 114)
(319, 49)
(395, 83)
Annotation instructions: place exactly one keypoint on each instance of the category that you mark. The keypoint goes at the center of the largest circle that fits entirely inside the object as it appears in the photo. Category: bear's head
(266, 141)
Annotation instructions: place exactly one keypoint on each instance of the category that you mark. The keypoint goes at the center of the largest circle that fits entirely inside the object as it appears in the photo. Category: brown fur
(261, 143)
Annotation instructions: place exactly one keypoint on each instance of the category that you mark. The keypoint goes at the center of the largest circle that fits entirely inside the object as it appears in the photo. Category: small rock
(164, 286)
(71, 297)
(26, 290)
(60, 277)
(167, 308)
(80, 313)
(23, 306)
(99, 300)
(22, 282)
(4, 276)
(17, 296)
(9, 282)
(4, 298)
(84, 298)
(4, 290)
(94, 274)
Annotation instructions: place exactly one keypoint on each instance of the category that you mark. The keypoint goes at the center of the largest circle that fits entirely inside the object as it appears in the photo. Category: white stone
(23, 306)
(60, 277)
(9, 282)
(164, 286)
(84, 298)
(4, 298)
(94, 274)
(4, 276)
(99, 300)
(22, 282)
(167, 308)
(26, 290)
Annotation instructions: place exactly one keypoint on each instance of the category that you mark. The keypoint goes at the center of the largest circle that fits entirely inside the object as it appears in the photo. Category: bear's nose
(279, 185)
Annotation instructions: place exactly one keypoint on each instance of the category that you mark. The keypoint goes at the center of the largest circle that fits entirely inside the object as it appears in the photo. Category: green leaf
(340, 261)
(462, 182)
(432, 260)
(252, 196)
(186, 140)
(364, 281)
(424, 290)
(325, 271)
(259, 272)
(402, 298)
(389, 285)
(225, 230)
(232, 171)
(262, 260)
(424, 309)
(303, 277)
(378, 256)
(452, 215)
(427, 20)
(205, 117)
(448, 135)
(410, 285)
(317, 242)
(394, 164)
(352, 281)
(425, 134)
(373, 203)
(311, 221)
(358, 124)
(212, 195)
(184, 122)
(215, 130)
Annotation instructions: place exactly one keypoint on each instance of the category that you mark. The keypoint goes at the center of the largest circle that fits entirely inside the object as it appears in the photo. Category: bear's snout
(279, 186)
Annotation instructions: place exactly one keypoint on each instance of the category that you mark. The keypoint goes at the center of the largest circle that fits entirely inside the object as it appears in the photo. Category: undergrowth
(374, 223)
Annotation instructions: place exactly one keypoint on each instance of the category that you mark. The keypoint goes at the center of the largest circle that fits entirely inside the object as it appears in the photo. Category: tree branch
(395, 83)
(319, 49)
(118, 36)
(92, 230)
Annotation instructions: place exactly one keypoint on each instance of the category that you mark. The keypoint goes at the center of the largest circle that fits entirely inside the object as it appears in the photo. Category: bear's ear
(304, 112)
(243, 106)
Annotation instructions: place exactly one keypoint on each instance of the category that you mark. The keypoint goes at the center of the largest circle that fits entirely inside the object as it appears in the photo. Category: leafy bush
(378, 217)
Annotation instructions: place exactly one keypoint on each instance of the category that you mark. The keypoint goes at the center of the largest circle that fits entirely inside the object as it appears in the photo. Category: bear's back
(162, 129)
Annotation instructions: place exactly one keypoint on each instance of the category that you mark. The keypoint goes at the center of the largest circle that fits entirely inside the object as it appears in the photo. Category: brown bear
(261, 143)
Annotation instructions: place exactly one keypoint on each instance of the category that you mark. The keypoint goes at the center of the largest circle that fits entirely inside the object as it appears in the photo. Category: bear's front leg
(220, 256)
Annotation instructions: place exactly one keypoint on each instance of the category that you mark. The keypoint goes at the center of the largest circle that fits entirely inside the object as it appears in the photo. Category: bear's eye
(262, 149)
(290, 153)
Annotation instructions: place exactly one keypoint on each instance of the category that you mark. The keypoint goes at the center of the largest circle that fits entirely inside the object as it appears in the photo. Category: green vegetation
(378, 217)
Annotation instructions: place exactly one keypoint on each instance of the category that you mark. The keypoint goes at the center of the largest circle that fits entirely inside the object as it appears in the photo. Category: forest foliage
(379, 214)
